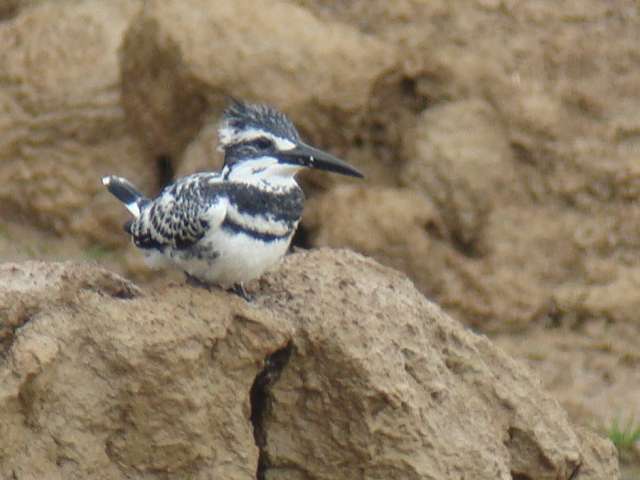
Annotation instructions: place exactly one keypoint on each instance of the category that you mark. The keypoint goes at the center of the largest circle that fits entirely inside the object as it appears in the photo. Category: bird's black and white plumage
(228, 227)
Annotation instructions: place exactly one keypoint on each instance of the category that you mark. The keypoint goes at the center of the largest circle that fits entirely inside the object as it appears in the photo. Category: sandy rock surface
(61, 119)
(329, 373)
(527, 144)
(500, 140)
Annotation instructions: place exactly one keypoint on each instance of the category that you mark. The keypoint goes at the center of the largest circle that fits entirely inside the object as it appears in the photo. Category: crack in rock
(261, 401)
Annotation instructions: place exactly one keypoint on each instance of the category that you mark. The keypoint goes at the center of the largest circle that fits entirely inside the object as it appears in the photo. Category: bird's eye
(263, 143)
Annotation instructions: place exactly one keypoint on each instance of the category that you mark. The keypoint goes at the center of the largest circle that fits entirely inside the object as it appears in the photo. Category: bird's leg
(238, 289)
(196, 282)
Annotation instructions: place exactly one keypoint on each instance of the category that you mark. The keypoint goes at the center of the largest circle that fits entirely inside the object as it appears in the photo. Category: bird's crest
(245, 122)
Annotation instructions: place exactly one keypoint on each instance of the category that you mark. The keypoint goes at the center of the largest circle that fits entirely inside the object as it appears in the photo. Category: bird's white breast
(239, 258)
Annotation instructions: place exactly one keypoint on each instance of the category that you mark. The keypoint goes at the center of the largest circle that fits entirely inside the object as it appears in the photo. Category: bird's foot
(239, 290)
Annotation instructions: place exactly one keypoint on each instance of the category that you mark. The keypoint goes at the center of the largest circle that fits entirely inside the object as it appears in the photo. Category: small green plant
(96, 252)
(624, 435)
(30, 251)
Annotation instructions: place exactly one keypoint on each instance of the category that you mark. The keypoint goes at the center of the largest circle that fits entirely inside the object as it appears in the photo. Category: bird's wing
(182, 214)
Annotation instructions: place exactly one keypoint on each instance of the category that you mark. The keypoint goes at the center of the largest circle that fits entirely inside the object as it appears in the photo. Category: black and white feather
(228, 227)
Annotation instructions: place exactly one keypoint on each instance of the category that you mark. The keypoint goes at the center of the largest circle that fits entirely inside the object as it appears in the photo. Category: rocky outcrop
(338, 369)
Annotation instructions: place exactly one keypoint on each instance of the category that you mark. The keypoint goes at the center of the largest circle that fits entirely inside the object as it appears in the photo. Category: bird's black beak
(310, 157)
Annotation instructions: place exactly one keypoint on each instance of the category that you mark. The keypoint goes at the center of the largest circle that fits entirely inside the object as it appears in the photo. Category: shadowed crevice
(107, 283)
(301, 239)
(165, 171)
(519, 476)
(18, 316)
(261, 401)
(576, 471)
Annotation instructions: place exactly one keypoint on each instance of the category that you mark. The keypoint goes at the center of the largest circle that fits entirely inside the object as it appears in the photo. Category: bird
(226, 228)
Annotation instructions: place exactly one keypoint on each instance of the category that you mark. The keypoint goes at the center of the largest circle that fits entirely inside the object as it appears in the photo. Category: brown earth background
(500, 140)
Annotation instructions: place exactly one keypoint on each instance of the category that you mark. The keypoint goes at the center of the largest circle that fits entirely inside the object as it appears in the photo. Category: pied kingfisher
(228, 227)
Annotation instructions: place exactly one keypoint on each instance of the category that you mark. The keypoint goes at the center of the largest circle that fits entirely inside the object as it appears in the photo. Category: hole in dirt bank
(434, 229)
(10, 9)
(27, 398)
(260, 401)
(470, 248)
(123, 294)
(408, 88)
(519, 476)
(10, 325)
(165, 171)
(301, 239)
(396, 100)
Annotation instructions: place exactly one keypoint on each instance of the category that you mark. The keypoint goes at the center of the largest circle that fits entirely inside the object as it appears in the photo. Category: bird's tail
(124, 191)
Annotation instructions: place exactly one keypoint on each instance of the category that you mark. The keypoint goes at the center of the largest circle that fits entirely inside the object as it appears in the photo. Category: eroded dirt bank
(500, 140)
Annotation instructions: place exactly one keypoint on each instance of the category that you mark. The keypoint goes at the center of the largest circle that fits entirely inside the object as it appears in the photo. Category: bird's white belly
(227, 258)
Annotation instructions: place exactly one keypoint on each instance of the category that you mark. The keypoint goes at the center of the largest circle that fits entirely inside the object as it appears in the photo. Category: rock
(440, 402)
(398, 227)
(339, 368)
(63, 126)
(110, 386)
(401, 218)
(462, 162)
(31, 284)
(597, 455)
(180, 59)
(404, 229)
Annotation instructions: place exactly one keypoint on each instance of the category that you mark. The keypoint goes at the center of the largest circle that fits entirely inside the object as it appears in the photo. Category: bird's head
(261, 142)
